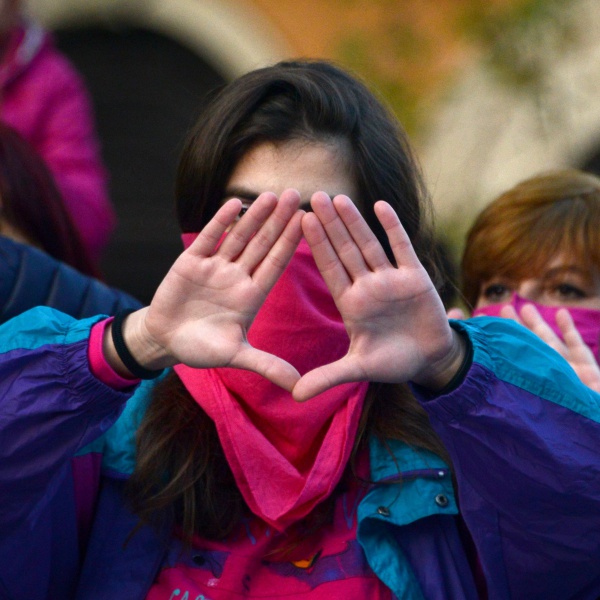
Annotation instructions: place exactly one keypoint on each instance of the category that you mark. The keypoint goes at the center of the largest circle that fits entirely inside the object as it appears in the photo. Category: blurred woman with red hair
(533, 255)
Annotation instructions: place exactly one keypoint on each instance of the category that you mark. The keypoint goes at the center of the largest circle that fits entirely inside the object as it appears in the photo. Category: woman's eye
(496, 292)
(244, 209)
(567, 291)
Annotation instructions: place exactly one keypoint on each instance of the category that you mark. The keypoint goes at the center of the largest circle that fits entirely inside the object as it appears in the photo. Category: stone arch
(232, 35)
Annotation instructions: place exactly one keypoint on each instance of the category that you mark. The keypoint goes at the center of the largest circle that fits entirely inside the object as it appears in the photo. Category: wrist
(443, 373)
(129, 349)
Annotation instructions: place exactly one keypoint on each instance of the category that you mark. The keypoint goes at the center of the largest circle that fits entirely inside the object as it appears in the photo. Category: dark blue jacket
(29, 277)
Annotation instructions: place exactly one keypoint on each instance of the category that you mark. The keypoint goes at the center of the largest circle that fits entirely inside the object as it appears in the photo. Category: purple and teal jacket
(522, 431)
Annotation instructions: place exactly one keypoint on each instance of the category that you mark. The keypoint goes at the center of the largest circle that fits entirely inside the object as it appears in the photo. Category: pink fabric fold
(586, 320)
(286, 457)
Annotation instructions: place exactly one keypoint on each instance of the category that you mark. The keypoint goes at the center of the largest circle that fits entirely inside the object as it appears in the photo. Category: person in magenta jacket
(44, 98)
(274, 448)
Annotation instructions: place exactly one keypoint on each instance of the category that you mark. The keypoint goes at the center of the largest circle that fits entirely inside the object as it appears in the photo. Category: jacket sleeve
(66, 139)
(50, 407)
(29, 277)
(524, 436)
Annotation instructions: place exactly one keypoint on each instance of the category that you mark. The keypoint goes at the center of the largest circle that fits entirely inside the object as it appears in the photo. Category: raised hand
(202, 310)
(573, 349)
(395, 319)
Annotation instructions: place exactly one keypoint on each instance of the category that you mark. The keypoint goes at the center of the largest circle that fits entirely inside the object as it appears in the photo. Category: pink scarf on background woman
(286, 457)
(586, 320)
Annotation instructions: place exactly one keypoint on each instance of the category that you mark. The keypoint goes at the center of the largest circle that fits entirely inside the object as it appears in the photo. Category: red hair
(519, 232)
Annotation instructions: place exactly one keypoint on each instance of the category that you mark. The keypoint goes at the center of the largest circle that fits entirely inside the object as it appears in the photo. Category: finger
(208, 238)
(399, 241)
(532, 319)
(271, 367)
(265, 238)
(581, 357)
(570, 334)
(509, 312)
(371, 249)
(241, 233)
(458, 314)
(326, 258)
(275, 262)
(343, 243)
(326, 377)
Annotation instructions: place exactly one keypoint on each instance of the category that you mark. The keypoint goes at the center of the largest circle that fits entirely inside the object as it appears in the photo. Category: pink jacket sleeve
(47, 102)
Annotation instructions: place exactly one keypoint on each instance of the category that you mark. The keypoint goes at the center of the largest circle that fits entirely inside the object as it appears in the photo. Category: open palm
(573, 349)
(203, 309)
(393, 315)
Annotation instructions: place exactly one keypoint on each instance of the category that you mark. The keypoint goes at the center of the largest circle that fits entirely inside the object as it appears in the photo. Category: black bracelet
(126, 357)
(464, 367)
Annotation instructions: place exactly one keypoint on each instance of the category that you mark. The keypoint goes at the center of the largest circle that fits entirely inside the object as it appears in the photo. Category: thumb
(273, 368)
(324, 378)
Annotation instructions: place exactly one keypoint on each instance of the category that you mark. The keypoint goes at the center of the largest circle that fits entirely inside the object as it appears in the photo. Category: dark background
(147, 91)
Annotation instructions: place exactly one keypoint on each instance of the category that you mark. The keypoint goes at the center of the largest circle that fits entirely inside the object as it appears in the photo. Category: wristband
(133, 366)
(464, 367)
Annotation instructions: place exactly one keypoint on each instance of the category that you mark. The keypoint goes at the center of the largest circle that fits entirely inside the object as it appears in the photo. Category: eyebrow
(241, 193)
(566, 269)
(553, 272)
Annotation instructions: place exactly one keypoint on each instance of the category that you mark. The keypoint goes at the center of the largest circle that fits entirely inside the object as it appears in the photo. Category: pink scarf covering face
(586, 320)
(286, 457)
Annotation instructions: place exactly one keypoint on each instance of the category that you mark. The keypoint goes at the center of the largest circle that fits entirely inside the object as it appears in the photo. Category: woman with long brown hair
(275, 448)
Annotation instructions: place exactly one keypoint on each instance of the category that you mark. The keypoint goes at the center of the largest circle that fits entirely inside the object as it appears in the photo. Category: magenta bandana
(586, 320)
(286, 457)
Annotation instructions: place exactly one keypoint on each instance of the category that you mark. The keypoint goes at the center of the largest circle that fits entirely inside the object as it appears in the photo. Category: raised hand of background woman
(573, 349)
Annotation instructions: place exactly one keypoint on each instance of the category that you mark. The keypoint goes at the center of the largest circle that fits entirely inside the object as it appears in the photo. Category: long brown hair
(181, 466)
(519, 232)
